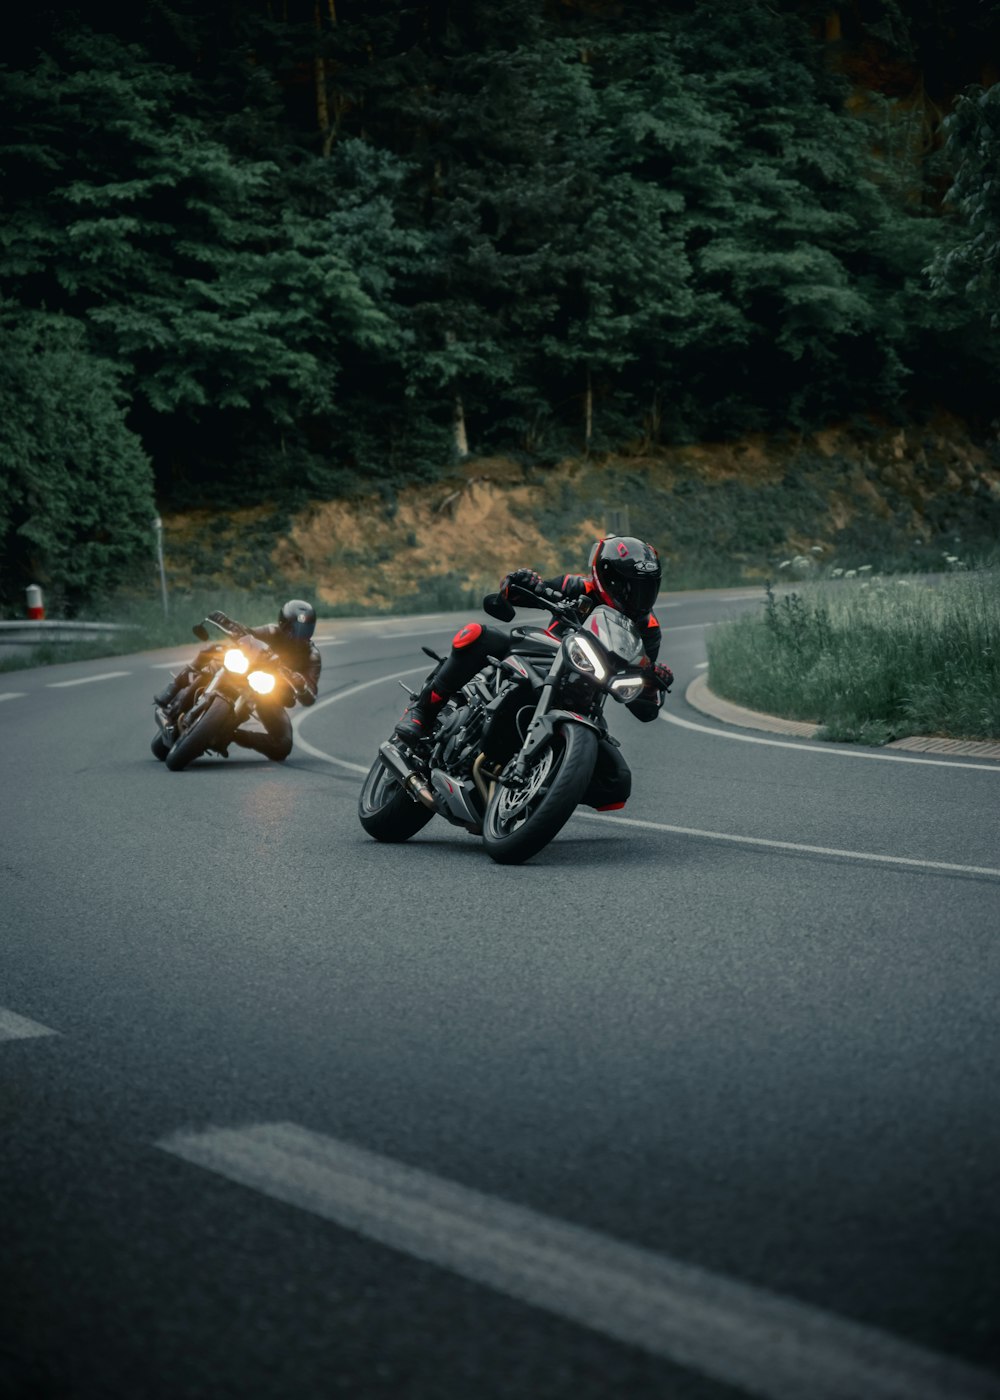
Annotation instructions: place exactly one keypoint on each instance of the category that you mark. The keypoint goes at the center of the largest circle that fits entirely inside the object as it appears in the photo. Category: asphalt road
(702, 1102)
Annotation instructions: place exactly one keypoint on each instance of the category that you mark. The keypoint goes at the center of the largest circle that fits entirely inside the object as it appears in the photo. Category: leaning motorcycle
(513, 753)
(237, 677)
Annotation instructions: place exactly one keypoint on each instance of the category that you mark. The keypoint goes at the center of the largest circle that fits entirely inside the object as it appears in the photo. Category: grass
(871, 659)
(149, 629)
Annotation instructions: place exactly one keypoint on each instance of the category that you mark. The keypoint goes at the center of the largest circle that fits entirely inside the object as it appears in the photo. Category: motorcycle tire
(514, 833)
(159, 747)
(385, 810)
(204, 734)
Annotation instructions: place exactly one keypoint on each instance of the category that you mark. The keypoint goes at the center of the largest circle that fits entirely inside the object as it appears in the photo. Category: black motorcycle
(514, 752)
(225, 695)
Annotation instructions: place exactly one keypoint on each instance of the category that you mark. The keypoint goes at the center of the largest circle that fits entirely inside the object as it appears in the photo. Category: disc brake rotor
(514, 801)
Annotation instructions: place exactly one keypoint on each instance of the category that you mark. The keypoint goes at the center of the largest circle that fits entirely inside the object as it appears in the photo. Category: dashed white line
(14, 695)
(88, 680)
(701, 666)
(14, 1027)
(775, 1347)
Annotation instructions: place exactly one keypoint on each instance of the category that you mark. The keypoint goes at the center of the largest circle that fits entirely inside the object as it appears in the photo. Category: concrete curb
(700, 698)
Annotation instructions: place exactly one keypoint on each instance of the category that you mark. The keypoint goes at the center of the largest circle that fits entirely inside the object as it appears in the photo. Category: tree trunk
(833, 32)
(588, 414)
(461, 437)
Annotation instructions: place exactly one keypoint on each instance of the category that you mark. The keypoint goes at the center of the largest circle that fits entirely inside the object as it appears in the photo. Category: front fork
(543, 727)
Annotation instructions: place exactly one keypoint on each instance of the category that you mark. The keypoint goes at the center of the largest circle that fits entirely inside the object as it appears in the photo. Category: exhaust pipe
(410, 781)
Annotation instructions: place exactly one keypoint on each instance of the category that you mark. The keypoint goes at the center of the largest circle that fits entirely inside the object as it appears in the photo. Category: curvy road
(702, 1102)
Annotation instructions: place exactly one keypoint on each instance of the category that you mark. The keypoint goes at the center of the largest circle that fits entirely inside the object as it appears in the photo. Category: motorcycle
(225, 697)
(514, 752)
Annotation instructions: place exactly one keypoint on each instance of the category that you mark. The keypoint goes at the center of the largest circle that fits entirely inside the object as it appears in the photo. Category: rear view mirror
(200, 631)
(498, 607)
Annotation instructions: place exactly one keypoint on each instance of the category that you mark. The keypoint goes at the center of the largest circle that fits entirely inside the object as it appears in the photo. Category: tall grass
(871, 660)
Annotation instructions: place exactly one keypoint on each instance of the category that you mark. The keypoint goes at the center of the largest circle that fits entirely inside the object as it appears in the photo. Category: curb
(700, 698)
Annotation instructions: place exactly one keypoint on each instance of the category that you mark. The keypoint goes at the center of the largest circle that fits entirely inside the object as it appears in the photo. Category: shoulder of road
(700, 697)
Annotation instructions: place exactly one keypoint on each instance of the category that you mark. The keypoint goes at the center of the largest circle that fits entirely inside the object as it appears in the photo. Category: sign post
(158, 527)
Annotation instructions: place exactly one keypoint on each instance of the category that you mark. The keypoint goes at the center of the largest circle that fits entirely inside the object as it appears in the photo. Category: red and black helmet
(626, 575)
(297, 619)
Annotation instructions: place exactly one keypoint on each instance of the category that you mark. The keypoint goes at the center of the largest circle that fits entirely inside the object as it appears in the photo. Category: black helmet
(626, 575)
(297, 619)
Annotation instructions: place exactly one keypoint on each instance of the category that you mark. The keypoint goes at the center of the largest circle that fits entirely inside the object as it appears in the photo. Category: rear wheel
(205, 733)
(385, 810)
(521, 821)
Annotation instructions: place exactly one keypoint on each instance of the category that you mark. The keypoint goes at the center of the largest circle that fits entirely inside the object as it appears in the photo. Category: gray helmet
(297, 619)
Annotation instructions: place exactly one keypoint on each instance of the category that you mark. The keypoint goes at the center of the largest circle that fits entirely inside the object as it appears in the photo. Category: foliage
(871, 660)
(76, 500)
(306, 236)
(973, 264)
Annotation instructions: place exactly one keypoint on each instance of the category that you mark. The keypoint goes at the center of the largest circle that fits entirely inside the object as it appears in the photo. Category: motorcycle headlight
(626, 688)
(234, 660)
(585, 657)
(261, 681)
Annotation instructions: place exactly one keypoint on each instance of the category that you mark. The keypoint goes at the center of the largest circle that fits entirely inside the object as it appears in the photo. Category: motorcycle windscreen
(617, 634)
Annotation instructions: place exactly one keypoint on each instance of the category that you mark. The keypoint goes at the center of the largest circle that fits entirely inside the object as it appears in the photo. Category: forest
(298, 249)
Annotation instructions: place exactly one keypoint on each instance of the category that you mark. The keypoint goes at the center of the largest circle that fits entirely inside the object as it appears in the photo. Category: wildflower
(837, 573)
(816, 549)
(785, 563)
(864, 568)
(851, 573)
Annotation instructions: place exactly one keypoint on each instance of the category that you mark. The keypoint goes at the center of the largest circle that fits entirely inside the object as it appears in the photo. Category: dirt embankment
(718, 513)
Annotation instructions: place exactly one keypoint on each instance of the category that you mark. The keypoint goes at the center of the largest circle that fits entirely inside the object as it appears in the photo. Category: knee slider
(468, 634)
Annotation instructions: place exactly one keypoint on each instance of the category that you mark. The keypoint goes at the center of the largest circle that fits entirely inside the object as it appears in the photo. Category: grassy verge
(148, 628)
(871, 660)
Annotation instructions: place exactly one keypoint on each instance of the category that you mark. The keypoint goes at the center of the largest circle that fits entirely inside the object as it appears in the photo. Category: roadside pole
(158, 527)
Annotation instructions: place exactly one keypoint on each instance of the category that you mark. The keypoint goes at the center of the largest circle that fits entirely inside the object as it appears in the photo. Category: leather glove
(303, 691)
(664, 675)
(521, 578)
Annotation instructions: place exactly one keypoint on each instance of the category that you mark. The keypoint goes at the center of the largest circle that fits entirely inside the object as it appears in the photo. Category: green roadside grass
(147, 629)
(870, 660)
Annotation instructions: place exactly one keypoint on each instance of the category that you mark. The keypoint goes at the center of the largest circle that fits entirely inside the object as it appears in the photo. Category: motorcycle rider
(625, 575)
(290, 639)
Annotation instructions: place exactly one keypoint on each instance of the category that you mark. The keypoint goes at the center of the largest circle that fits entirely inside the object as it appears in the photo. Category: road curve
(702, 1102)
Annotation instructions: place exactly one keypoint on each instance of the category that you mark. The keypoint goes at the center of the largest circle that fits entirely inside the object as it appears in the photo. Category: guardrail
(18, 637)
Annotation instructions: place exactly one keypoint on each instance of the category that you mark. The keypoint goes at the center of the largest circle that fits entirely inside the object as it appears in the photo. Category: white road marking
(165, 665)
(776, 1348)
(331, 641)
(391, 621)
(690, 627)
(14, 695)
(299, 719)
(88, 680)
(702, 666)
(871, 856)
(14, 1027)
(827, 750)
(413, 632)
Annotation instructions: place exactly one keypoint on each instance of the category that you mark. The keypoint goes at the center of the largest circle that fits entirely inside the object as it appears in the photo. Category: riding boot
(417, 720)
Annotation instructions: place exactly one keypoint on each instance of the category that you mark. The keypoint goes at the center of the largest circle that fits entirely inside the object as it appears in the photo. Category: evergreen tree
(76, 488)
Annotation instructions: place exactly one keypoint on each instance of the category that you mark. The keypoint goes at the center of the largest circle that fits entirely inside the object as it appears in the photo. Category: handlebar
(549, 598)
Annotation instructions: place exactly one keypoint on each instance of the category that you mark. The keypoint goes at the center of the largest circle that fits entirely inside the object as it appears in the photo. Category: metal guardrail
(18, 637)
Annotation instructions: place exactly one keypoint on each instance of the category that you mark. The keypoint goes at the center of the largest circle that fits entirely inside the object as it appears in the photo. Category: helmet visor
(632, 594)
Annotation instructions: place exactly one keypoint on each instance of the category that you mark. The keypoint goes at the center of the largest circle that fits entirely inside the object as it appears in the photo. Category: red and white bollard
(36, 608)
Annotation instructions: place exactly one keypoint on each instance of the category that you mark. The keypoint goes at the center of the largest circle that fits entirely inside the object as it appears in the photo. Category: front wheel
(160, 746)
(385, 810)
(520, 821)
(205, 733)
